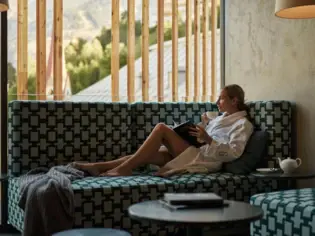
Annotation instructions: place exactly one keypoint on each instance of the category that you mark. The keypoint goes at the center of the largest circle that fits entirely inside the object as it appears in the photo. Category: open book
(183, 131)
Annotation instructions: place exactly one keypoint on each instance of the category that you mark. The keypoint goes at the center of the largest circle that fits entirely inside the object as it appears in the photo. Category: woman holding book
(224, 139)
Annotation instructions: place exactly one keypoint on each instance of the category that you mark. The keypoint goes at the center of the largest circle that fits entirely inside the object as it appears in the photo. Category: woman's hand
(204, 119)
(200, 133)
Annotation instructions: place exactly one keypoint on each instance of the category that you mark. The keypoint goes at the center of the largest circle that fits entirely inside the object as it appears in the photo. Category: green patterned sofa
(54, 133)
(290, 212)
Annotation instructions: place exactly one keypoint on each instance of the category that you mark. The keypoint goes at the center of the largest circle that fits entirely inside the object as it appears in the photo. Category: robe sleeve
(229, 151)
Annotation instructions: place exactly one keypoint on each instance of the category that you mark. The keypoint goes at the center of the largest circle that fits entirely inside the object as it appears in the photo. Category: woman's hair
(235, 91)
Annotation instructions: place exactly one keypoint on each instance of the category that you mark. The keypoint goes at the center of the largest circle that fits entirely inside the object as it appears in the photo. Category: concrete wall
(273, 58)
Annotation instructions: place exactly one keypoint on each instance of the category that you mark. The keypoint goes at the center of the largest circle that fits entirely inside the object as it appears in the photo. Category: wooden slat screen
(22, 50)
(160, 51)
(205, 29)
(213, 49)
(145, 50)
(175, 51)
(188, 49)
(115, 51)
(131, 51)
(192, 78)
(197, 51)
(58, 48)
(41, 49)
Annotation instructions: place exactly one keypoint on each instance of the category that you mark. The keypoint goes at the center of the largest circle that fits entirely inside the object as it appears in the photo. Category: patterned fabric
(54, 133)
(46, 134)
(287, 213)
(104, 201)
(275, 117)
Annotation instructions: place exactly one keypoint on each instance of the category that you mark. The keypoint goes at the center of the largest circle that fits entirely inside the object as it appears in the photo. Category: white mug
(212, 114)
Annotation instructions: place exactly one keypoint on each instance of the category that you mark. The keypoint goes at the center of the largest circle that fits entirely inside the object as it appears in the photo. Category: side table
(291, 178)
(241, 213)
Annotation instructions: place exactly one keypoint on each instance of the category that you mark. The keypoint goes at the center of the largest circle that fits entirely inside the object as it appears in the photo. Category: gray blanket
(47, 199)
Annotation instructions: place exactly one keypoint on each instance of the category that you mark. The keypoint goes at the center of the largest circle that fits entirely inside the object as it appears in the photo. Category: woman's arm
(228, 151)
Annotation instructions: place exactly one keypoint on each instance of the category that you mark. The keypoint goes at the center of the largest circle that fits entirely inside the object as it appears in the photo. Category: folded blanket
(47, 199)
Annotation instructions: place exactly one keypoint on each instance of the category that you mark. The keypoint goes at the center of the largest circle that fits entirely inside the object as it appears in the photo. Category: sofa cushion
(104, 201)
(254, 151)
(290, 212)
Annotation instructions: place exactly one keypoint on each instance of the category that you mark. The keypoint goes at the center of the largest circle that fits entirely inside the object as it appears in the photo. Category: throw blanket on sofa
(47, 199)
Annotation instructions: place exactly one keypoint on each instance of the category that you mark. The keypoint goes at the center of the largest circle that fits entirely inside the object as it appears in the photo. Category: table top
(239, 212)
(298, 174)
(92, 232)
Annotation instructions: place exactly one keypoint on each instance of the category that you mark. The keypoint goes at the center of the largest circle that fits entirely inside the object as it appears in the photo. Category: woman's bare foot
(118, 171)
(88, 167)
(161, 171)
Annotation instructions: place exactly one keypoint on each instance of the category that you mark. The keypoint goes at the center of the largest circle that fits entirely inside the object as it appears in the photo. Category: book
(183, 131)
(186, 207)
(195, 205)
(193, 199)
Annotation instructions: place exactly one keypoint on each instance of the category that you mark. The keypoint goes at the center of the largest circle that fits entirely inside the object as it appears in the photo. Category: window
(149, 39)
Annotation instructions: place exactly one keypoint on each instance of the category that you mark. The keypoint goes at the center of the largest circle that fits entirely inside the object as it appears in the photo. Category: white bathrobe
(230, 134)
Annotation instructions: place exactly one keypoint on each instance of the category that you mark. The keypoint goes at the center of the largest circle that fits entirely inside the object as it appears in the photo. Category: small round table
(291, 178)
(194, 219)
(92, 232)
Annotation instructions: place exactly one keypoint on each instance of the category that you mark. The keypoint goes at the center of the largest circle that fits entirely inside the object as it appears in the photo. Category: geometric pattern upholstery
(49, 133)
(275, 117)
(104, 201)
(290, 212)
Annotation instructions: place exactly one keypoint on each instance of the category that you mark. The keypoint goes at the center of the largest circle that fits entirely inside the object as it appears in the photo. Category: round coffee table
(235, 212)
(93, 232)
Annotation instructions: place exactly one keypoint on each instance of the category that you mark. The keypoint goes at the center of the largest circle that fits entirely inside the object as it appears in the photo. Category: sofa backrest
(273, 116)
(53, 132)
(47, 133)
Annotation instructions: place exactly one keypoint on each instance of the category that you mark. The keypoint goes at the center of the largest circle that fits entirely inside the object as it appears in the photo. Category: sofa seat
(104, 201)
(290, 212)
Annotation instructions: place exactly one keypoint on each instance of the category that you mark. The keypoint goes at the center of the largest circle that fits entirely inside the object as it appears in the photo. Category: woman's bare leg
(160, 158)
(97, 168)
(161, 134)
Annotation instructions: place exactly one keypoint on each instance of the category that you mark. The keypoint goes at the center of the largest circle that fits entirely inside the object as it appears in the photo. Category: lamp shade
(295, 9)
(4, 5)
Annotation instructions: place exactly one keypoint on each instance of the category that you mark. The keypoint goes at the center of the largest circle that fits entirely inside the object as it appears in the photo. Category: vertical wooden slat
(58, 47)
(213, 49)
(41, 49)
(175, 51)
(205, 28)
(115, 51)
(22, 52)
(145, 50)
(160, 50)
(188, 48)
(197, 51)
(131, 50)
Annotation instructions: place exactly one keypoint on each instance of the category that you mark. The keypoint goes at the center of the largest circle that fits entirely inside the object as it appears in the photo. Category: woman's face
(224, 103)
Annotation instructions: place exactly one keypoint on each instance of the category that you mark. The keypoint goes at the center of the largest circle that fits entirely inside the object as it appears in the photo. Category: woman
(225, 138)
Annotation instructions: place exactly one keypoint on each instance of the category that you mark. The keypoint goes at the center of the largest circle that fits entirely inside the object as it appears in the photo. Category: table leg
(194, 231)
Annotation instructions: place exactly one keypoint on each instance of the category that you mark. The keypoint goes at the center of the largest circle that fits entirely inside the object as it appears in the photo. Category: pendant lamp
(4, 5)
(295, 9)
